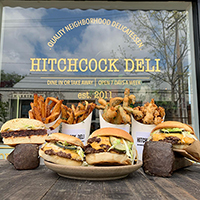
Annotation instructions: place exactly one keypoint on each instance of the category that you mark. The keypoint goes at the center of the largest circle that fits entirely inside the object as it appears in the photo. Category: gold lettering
(1, 154)
(52, 61)
(58, 65)
(112, 64)
(105, 61)
(44, 64)
(139, 65)
(72, 64)
(67, 28)
(148, 70)
(126, 69)
(157, 65)
(80, 65)
(95, 66)
(6, 155)
(35, 64)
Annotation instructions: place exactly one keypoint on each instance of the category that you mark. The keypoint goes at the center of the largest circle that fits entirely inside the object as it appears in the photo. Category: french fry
(45, 110)
(54, 126)
(80, 106)
(40, 98)
(35, 100)
(52, 104)
(30, 112)
(52, 116)
(73, 108)
(90, 107)
(80, 112)
(31, 104)
(71, 118)
(76, 114)
(64, 112)
(37, 113)
(57, 107)
(86, 104)
(81, 118)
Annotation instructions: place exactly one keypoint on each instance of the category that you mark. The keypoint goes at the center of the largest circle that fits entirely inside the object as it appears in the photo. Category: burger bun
(116, 132)
(106, 158)
(59, 160)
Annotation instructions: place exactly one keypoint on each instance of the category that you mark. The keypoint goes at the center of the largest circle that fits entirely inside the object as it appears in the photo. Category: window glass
(79, 55)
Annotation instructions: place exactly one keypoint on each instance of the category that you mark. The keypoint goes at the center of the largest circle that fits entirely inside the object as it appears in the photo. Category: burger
(23, 130)
(62, 149)
(180, 135)
(110, 146)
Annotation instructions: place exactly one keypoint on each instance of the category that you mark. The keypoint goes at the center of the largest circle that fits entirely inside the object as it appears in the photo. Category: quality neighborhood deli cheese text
(93, 65)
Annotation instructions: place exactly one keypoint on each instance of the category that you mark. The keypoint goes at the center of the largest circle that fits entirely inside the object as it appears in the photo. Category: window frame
(190, 6)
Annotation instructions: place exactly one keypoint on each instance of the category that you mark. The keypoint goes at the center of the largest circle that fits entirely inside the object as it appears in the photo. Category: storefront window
(78, 55)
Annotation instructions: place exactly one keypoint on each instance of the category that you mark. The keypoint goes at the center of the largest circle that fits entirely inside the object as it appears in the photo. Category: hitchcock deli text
(102, 65)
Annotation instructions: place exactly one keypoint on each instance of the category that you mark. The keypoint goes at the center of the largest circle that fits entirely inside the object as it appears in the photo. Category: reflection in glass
(86, 54)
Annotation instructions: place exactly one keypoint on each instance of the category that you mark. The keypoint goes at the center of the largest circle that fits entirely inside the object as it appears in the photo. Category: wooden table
(42, 183)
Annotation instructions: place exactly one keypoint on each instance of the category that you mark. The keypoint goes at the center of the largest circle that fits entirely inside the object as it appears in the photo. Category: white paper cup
(56, 130)
(140, 133)
(80, 130)
(103, 124)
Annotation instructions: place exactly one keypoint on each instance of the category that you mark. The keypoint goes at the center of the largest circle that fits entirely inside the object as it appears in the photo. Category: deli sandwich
(110, 146)
(62, 149)
(180, 135)
(23, 130)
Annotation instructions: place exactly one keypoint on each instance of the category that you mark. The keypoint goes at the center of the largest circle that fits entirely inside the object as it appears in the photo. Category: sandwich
(23, 130)
(110, 146)
(63, 149)
(180, 135)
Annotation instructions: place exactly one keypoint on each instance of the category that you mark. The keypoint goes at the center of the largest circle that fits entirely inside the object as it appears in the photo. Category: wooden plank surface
(42, 183)
(24, 184)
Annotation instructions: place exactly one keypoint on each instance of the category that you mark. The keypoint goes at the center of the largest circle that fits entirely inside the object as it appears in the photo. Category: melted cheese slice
(49, 146)
(162, 136)
(104, 140)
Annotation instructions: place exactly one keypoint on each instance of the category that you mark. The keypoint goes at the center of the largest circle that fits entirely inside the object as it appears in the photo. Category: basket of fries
(48, 111)
(144, 120)
(76, 120)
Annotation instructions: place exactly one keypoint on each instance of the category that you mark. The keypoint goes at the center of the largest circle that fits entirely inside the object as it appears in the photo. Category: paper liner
(80, 130)
(103, 124)
(192, 152)
(140, 133)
